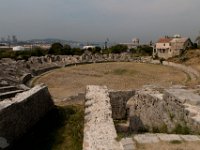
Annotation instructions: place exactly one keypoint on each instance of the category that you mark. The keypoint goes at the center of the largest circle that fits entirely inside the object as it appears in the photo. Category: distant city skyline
(86, 20)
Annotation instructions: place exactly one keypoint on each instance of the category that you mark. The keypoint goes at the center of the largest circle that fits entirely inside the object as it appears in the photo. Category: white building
(18, 48)
(89, 47)
(134, 44)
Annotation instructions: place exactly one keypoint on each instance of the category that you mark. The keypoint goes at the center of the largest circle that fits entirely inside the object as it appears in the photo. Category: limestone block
(190, 138)
(169, 137)
(146, 138)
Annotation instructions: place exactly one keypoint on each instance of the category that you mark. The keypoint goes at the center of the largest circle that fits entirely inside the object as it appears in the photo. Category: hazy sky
(95, 20)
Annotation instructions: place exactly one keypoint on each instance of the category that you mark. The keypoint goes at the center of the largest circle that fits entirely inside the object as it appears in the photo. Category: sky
(97, 20)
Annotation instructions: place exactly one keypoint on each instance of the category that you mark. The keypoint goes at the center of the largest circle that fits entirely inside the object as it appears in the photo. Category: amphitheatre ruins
(129, 103)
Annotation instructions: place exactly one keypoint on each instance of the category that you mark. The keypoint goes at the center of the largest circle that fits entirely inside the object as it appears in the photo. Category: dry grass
(72, 80)
(170, 146)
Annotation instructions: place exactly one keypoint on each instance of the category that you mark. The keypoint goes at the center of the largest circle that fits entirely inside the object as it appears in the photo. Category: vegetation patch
(119, 71)
(175, 142)
(181, 129)
(61, 129)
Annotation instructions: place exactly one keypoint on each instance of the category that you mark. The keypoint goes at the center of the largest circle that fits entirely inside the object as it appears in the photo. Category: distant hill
(70, 42)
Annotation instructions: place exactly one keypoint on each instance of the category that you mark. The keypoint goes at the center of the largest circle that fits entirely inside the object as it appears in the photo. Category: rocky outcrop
(165, 110)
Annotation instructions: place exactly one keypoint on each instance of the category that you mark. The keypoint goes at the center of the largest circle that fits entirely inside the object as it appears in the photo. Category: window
(164, 44)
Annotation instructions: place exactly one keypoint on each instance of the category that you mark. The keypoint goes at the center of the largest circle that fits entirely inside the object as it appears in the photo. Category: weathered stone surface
(163, 110)
(99, 129)
(169, 137)
(128, 144)
(183, 95)
(190, 138)
(145, 109)
(20, 113)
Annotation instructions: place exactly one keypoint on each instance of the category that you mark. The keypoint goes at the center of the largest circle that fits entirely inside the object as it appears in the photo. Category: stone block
(169, 137)
(146, 138)
(190, 138)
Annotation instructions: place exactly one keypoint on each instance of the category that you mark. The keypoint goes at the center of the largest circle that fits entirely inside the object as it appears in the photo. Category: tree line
(59, 49)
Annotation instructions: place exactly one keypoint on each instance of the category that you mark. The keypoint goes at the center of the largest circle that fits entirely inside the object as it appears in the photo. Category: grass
(61, 129)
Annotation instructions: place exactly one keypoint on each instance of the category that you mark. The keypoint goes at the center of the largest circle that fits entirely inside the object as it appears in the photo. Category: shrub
(181, 129)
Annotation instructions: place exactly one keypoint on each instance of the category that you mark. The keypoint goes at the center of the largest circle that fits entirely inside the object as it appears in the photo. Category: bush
(77, 51)
(181, 129)
(37, 51)
(56, 49)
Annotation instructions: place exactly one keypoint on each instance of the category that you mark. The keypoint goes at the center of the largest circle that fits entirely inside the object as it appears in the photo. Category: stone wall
(14, 70)
(99, 129)
(19, 114)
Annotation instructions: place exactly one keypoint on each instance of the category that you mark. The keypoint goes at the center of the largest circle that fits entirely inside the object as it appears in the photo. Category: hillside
(190, 57)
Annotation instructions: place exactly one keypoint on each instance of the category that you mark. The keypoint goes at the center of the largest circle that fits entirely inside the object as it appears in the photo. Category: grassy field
(72, 80)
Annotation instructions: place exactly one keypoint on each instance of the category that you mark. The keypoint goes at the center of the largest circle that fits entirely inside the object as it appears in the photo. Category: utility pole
(106, 43)
(9, 41)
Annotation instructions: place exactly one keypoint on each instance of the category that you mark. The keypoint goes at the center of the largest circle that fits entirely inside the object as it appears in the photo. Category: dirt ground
(118, 75)
(170, 146)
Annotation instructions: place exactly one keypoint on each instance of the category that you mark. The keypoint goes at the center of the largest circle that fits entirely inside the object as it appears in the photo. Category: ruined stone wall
(19, 114)
(99, 129)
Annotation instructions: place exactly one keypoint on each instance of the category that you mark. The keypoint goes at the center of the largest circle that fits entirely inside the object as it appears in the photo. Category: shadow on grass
(62, 128)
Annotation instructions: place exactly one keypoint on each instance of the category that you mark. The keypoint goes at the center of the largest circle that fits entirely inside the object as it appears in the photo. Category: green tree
(119, 48)
(67, 50)
(56, 49)
(37, 51)
(77, 51)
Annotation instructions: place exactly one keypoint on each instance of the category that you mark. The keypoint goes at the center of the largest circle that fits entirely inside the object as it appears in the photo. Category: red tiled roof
(164, 40)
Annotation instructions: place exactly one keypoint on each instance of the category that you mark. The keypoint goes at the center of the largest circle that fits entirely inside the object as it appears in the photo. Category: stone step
(7, 89)
(9, 94)
(128, 144)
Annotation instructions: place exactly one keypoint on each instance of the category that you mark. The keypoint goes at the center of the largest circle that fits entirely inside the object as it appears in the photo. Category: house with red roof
(171, 46)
